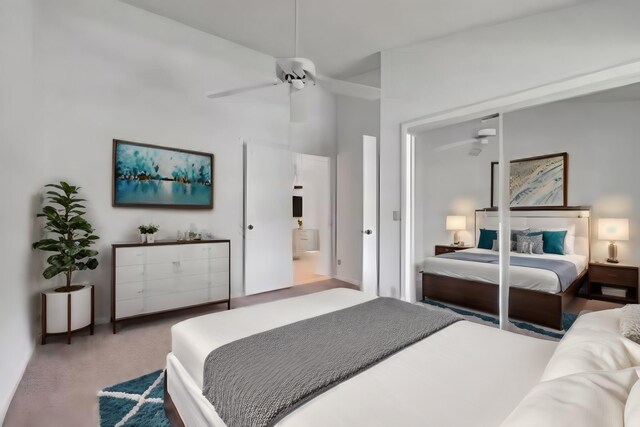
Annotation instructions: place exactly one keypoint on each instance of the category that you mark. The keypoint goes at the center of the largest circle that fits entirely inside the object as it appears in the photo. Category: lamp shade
(613, 229)
(456, 222)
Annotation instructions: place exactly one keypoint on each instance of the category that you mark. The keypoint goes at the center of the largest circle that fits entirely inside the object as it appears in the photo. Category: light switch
(396, 215)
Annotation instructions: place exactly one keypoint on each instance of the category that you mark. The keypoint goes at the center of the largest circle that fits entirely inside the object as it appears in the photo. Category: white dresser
(304, 240)
(165, 276)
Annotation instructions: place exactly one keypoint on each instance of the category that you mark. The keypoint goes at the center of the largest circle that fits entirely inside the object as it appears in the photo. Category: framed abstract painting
(535, 182)
(159, 177)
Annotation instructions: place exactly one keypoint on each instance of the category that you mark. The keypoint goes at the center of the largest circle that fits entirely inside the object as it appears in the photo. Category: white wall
(114, 71)
(449, 183)
(603, 142)
(21, 175)
(356, 118)
(486, 63)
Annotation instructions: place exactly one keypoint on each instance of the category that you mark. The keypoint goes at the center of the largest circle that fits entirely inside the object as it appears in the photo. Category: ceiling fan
(299, 73)
(480, 141)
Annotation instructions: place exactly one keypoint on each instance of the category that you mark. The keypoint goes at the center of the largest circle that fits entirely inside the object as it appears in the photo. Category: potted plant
(143, 233)
(70, 238)
(151, 232)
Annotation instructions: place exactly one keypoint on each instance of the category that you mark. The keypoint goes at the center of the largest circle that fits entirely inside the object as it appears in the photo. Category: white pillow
(594, 399)
(593, 343)
(569, 238)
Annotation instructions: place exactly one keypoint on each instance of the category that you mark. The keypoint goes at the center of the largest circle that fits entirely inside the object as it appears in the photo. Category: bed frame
(538, 307)
(170, 409)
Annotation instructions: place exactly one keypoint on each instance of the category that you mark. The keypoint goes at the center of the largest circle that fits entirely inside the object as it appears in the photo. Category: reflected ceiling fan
(298, 73)
(480, 141)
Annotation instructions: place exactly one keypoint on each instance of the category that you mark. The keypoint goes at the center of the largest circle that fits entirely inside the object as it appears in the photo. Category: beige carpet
(61, 381)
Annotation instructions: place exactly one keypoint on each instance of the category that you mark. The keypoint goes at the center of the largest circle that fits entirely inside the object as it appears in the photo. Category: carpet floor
(59, 386)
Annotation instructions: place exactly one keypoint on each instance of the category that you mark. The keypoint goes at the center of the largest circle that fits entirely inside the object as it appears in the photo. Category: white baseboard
(358, 283)
(5, 405)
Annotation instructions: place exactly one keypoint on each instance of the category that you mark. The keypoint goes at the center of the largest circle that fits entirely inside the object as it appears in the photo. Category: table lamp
(613, 229)
(456, 223)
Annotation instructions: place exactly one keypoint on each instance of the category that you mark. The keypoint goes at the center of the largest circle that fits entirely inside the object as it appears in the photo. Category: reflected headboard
(580, 216)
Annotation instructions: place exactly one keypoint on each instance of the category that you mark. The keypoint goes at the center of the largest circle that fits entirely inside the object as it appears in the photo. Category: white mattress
(520, 277)
(465, 375)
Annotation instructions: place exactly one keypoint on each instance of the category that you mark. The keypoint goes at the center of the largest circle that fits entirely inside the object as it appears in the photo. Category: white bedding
(447, 379)
(521, 277)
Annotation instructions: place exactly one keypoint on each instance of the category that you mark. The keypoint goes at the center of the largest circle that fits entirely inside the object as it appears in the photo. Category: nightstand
(445, 249)
(616, 277)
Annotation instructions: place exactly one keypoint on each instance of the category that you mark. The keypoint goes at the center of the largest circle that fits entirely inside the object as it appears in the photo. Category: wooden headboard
(580, 216)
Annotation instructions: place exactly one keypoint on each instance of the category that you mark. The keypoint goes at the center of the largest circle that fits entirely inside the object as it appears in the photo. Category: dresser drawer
(613, 275)
(162, 254)
(129, 256)
(128, 308)
(129, 291)
(219, 250)
(129, 273)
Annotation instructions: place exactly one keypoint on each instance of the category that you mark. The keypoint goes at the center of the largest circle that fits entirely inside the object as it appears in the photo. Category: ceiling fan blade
(231, 92)
(356, 90)
(298, 105)
(446, 147)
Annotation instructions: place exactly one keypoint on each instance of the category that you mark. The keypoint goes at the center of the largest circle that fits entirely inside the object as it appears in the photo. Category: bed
(445, 379)
(465, 374)
(535, 294)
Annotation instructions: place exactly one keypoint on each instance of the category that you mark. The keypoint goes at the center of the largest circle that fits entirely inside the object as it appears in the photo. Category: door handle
(368, 231)
(250, 227)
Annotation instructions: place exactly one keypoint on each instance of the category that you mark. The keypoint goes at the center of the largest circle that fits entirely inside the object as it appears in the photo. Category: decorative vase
(143, 238)
(64, 312)
(151, 238)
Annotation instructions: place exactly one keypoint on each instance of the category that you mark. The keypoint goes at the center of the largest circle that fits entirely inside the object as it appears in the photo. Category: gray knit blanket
(257, 380)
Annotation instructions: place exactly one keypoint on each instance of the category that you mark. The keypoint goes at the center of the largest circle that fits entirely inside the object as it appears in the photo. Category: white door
(267, 221)
(370, 214)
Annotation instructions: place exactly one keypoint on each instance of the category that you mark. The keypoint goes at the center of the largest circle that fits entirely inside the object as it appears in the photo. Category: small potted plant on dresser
(68, 308)
(151, 233)
(143, 233)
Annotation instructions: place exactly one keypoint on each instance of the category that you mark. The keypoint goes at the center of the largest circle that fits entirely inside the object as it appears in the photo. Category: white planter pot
(143, 238)
(151, 238)
(66, 312)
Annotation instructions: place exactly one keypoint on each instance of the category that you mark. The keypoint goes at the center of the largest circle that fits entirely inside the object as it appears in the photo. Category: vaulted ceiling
(342, 37)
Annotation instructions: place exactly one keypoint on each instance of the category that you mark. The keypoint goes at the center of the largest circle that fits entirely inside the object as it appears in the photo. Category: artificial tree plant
(71, 236)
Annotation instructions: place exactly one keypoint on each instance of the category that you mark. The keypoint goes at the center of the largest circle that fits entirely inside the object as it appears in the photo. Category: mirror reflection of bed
(454, 178)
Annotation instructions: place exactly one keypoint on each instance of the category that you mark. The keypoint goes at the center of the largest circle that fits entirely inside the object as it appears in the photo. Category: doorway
(311, 226)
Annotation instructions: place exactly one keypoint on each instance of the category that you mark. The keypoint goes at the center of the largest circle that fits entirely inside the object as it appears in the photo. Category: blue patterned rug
(137, 402)
(517, 326)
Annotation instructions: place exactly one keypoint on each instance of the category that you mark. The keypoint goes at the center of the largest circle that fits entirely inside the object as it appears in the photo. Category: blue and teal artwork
(152, 176)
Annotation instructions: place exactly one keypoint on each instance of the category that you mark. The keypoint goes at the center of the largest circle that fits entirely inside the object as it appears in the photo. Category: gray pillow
(529, 244)
(496, 245)
(630, 322)
(516, 233)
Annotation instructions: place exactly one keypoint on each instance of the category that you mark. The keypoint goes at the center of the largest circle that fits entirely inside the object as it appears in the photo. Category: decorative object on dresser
(147, 175)
(613, 282)
(68, 308)
(167, 276)
(148, 233)
(445, 249)
(535, 182)
(613, 229)
(456, 223)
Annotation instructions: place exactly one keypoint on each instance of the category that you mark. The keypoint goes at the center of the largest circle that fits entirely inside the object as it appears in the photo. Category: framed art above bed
(535, 182)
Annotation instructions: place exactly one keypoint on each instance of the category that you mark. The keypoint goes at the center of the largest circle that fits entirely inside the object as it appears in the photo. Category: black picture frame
(565, 180)
(116, 197)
